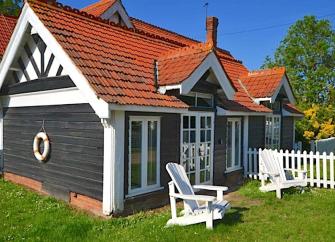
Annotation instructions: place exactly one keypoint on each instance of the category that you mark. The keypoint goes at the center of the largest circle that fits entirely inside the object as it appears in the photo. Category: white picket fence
(319, 167)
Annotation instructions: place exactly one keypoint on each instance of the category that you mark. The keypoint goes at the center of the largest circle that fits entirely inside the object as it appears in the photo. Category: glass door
(197, 146)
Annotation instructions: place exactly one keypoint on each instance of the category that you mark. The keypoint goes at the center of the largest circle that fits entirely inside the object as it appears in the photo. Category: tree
(10, 7)
(308, 53)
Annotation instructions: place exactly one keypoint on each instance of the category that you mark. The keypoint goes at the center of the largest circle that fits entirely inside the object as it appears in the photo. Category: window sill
(233, 169)
(143, 191)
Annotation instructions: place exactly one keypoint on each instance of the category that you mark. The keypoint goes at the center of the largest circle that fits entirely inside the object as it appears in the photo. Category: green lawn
(25, 216)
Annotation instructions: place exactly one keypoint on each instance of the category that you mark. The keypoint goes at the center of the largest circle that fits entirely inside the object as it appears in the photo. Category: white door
(197, 133)
(233, 149)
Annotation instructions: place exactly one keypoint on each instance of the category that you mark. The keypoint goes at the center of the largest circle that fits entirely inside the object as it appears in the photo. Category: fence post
(249, 163)
(324, 172)
(318, 177)
(304, 155)
(331, 167)
(255, 166)
(311, 168)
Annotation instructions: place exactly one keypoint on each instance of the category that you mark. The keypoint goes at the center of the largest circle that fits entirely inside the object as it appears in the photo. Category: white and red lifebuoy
(36, 146)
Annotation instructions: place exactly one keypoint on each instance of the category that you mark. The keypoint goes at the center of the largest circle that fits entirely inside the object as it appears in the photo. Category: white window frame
(144, 157)
(272, 145)
(198, 116)
(239, 166)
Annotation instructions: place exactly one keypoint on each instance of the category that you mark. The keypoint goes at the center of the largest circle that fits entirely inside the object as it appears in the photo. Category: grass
(255, 216)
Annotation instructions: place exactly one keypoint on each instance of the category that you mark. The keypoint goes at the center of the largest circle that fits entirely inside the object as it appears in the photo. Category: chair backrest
(181, 181)
(271, 163)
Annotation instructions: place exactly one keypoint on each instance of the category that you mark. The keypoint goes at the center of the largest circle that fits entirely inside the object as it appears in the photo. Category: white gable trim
(118, 7)
(29, 17)
(284, 83)
(210, 62)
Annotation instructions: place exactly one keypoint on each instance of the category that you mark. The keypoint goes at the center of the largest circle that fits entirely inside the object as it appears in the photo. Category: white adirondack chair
(271, 166)
(193, 213)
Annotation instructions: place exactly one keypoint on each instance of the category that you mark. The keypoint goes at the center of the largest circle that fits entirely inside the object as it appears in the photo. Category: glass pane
(185, 122)
(209, 122)
(208, 136)
(192, 122)
(237, 144)
(136, 154)
(229, 145)
(192, 137)
(202, 176)
(185, 137)
(203, 122)
(202, 135)
(202, 162)
(192, 178)
(152, 153)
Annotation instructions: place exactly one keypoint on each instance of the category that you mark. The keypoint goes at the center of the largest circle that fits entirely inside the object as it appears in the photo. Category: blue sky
(188, 17)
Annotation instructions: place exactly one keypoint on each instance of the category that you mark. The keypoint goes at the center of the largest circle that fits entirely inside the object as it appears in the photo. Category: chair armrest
(194, 197)
(295, 170)
(211, 188)
(271, 174)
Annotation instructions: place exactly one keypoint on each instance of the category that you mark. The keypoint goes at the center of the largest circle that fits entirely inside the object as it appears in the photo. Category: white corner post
(113, 178)
(245, 143)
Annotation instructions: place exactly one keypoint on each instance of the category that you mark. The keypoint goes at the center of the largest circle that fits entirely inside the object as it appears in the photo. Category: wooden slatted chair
(193, 213)
(280, 178)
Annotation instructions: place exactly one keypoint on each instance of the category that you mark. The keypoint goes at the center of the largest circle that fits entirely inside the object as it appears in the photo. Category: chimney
(211, 28)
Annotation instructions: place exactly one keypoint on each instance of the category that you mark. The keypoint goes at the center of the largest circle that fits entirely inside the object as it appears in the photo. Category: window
(200, 100)
(272, 132)
(144, 154)
(233, 145)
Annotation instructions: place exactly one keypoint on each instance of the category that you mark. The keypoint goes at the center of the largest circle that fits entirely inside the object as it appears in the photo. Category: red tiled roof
(263, 83)
(176, 66)
(152, 29)
(98, 8)
(117, 62)
(7, 25)
(292, 109)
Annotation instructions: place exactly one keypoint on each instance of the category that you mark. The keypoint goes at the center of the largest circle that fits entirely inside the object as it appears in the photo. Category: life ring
(41, 136)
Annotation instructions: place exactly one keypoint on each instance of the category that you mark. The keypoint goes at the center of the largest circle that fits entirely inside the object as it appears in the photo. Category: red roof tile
(98, 8)
(7, 25)
(176, 66)
(263, 83)
(117, 62)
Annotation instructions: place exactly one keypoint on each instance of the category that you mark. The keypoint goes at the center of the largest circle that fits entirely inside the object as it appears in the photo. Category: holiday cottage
(95, 103)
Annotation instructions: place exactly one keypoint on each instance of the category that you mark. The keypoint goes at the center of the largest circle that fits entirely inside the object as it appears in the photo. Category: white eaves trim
(210, 62)
(139, 108)
(44, 98)
(223, 112)
(29, 17)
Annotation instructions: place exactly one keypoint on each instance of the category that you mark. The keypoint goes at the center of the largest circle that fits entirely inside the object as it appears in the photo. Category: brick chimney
(212, 28)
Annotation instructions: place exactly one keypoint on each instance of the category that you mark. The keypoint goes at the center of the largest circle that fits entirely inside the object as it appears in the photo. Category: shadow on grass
(233, 216)
(296, 190)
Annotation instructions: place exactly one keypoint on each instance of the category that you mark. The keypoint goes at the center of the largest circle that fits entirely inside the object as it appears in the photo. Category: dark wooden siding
(169, 147)
(287, 133)
(43, 84)
(76, 137)
(256, 132)
(220, 139)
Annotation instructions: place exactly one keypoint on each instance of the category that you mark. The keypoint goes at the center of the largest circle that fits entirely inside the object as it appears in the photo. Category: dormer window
(199, 100)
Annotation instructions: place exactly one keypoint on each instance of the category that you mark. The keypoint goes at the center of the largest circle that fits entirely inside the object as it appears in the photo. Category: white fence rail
(319, 167)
